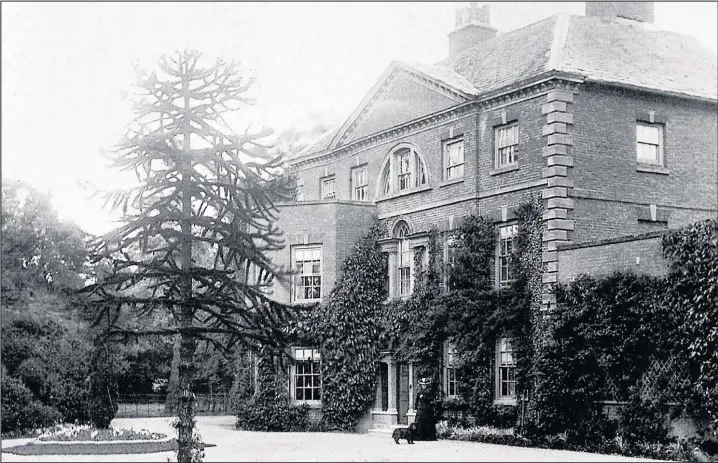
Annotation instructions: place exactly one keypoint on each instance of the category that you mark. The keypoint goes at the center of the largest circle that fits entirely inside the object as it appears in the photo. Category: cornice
(508, 95)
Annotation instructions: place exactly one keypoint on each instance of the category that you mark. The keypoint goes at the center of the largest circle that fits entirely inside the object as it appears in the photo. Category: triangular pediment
(398, 97)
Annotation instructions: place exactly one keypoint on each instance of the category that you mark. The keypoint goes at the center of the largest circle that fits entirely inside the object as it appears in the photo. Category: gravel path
(233, 445)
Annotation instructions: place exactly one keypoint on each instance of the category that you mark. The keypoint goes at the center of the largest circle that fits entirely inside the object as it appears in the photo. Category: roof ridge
(501, 35)
(428, 71)
(560, 35)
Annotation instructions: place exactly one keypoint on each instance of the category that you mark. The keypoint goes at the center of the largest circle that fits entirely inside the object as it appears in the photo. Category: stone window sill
(306, 302)
(507, 401)
(309, 403)
(453, 181)
(404, 193)
(504, 169)
(652, 169)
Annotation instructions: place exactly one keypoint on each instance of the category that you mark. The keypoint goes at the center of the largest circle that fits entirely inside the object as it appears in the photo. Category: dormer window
(404, 170)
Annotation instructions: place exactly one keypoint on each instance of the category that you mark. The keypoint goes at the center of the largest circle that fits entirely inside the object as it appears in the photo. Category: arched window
(404, 259)
(403, 170)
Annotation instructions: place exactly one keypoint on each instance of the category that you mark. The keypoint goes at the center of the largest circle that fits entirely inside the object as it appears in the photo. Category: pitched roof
(632, 53)
(599, 49)
(444, 75)
(613, 51)
(320, 144)
(507, 58)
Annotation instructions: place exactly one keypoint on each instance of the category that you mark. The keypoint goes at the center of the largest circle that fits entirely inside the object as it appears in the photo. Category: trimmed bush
(103, 388)
(21, 411)
(263, 413)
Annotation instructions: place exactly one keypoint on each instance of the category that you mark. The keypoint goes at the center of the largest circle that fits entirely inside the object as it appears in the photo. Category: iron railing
(152, 405)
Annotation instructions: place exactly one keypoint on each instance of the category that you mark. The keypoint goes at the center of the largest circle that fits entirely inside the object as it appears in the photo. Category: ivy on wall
(693, 287)
(479, 314)
(415, 327)
(347, 329)
(471, 313)
(599, 342)
(613, 337)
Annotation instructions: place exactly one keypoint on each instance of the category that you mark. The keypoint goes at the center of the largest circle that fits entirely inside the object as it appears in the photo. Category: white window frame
(507, 235)
(642, 143)
(404, 262)
(298, 294)
(306, 365)
(329, 188)
(449, 259)
(360, 184)
(454, 168)
(501, 143)
(398, 177)
(450, 372)
(505, 371)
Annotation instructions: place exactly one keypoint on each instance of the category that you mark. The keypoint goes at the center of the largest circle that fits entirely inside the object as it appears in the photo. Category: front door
(403, 392)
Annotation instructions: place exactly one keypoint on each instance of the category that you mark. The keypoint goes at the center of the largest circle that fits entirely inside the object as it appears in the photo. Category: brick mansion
(611, 121)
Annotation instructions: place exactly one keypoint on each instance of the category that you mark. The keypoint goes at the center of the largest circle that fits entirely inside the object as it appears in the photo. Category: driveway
(233, 445)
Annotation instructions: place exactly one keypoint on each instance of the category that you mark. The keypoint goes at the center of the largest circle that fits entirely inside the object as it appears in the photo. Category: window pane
(309, 266)
(506, 141)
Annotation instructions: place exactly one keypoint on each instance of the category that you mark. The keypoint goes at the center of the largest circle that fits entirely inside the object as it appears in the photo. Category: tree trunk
(188, 343)
(185, 412)
(173, 387)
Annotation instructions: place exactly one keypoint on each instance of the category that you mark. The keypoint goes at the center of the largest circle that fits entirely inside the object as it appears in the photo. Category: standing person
(425, 418)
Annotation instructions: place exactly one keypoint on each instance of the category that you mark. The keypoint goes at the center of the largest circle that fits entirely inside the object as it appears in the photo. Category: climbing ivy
(693, 284)
(612, 337)
(479, 314)
(470, 312)
(348, 330)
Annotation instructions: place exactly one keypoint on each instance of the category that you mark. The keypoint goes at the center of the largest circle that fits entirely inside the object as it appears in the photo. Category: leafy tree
(45, 345)
(202, 216)
(40, 253)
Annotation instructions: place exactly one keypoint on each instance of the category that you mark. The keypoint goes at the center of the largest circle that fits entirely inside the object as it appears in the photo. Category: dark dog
(405, 433)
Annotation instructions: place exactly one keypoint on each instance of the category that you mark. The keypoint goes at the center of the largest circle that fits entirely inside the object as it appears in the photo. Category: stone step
(384, 428)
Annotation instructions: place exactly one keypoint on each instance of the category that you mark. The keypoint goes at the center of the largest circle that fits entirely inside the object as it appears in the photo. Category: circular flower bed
(84, 433)
(67, 439)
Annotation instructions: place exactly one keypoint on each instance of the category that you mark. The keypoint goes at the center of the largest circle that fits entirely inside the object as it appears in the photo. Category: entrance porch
(395, 391)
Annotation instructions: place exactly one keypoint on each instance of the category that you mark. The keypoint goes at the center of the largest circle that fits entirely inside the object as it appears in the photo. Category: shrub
(21, 411)
(644, 421)
(260, 414)
(103, 388)
(502, 416)
(270, 408)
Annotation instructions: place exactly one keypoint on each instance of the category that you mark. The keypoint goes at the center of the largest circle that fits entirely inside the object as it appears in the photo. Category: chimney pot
(472, 27)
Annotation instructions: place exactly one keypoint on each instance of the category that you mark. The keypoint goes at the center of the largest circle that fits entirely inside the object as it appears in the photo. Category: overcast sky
(65, 66)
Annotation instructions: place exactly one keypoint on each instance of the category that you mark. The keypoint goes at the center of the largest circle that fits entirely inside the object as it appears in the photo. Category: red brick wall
(427, 143)
(335, 226)
(605, 167)
(642, 255)
(530, 162)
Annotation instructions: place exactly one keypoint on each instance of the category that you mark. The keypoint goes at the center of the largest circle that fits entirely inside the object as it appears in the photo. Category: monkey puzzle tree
(199, 223)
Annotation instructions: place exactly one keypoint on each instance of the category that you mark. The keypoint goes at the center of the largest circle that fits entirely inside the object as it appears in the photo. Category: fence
(151, 405)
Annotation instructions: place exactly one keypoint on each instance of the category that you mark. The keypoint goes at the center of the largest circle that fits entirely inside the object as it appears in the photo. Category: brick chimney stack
(637, 11)
(471, 27)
